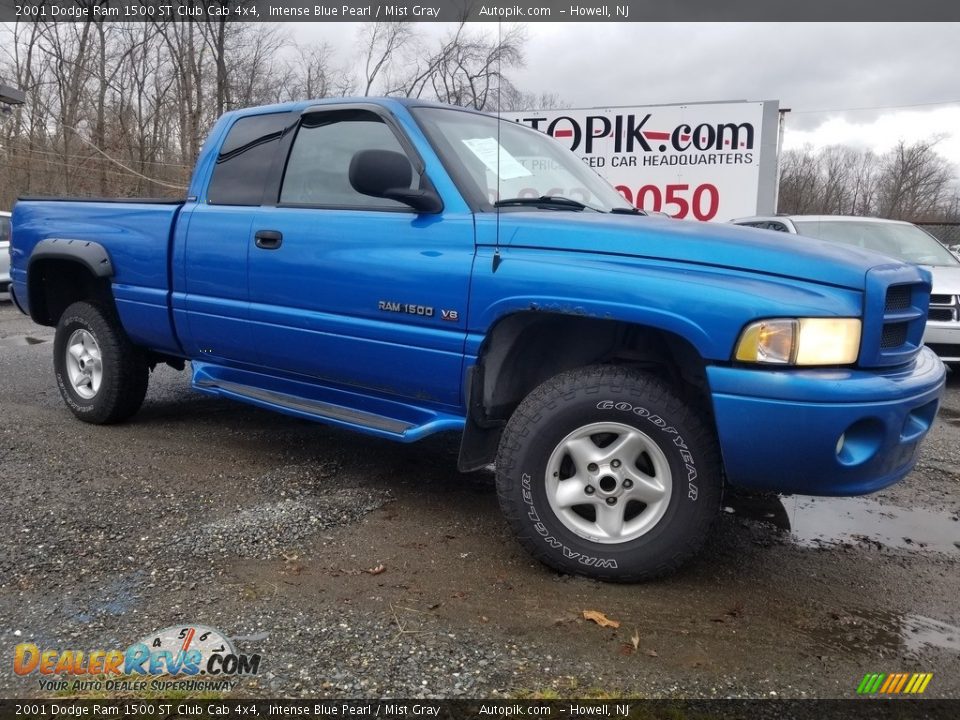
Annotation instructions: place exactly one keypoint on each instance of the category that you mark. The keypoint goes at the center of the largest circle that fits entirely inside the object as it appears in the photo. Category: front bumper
(781, 430)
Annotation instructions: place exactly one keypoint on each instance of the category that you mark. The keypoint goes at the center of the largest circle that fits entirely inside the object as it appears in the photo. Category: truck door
(211, 293)
(354, 290)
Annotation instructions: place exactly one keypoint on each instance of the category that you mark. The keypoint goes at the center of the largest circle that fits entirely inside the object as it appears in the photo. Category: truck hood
(715, 244)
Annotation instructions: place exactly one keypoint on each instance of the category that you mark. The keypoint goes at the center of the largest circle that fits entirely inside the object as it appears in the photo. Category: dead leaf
(652, 653)
(600, 619)
(377, 570)
(627, 649)
(635, 639)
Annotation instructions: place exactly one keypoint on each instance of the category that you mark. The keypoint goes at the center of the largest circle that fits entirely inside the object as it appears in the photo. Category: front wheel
(605, 472)
(101, 375)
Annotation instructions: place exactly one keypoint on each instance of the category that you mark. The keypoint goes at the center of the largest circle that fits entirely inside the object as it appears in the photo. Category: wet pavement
(814, 522)
(363, 568)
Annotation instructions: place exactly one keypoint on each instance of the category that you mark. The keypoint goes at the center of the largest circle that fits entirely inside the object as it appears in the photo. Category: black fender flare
(90, 254)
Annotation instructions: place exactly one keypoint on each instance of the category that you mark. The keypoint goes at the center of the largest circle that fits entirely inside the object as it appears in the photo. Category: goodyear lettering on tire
(661, 424)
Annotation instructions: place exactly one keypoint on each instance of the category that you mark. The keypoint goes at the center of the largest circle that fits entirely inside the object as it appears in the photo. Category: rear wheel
(605, 472)
(101, 375)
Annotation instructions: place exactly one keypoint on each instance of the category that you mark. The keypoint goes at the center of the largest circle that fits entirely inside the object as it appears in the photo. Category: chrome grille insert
(944, 308)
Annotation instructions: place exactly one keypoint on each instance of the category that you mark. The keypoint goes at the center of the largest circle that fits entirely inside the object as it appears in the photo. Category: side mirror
(387, 174)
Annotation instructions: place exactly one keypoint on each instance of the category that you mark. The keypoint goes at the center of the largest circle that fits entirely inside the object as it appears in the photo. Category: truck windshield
(903, 241)
(516, 163)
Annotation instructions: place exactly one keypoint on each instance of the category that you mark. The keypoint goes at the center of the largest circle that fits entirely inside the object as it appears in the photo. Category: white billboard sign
(703, 161)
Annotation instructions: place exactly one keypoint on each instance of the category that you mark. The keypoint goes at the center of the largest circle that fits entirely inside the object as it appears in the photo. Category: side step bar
(384, 418)
(313, 407)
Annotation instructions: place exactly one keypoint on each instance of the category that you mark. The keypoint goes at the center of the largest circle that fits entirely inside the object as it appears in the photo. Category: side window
(240, 175)
(778, 226)
(4, 229)
(317, 171)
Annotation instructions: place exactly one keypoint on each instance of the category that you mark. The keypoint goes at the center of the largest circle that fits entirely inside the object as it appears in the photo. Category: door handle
(268, 239)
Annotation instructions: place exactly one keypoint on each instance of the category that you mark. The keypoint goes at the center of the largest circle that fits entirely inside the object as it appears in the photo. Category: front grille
(944, 308)
(898, 298)
(894, 335)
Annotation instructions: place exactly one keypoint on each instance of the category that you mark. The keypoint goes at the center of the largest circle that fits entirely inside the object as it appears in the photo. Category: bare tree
(910, 182)
(382, 43)
(914, 181)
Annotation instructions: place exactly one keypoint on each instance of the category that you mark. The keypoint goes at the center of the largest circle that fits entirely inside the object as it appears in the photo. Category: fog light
(860, 442)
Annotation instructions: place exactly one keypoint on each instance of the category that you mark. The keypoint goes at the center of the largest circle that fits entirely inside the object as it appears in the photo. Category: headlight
(804, 341)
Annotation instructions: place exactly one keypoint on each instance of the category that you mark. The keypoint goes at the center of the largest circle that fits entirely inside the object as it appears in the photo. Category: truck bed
(136, 235)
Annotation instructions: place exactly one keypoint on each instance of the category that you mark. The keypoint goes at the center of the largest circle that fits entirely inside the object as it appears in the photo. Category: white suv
(900, 240)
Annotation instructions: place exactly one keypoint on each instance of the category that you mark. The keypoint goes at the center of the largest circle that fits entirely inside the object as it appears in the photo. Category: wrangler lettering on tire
(604, 471)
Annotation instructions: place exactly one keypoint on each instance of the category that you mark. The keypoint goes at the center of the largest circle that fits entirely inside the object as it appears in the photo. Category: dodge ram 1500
(403, 268)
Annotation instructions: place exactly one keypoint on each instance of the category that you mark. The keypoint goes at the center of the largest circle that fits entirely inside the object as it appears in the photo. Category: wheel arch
(521, 351)
(61, 272)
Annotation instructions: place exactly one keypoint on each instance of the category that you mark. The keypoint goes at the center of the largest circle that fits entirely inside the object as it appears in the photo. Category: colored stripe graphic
(894, 683)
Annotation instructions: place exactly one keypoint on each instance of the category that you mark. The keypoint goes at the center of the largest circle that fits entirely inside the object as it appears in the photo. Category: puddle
(22, 340)
(814, 522)
(905, 634)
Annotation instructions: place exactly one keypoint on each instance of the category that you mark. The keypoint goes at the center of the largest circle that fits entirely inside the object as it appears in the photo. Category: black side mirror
(387, 174)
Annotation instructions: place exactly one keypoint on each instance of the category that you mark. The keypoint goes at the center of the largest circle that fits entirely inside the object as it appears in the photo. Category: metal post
(780, 128)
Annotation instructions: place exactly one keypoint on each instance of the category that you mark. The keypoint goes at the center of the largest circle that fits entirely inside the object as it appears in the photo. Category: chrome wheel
(84, 364)
(608, 482)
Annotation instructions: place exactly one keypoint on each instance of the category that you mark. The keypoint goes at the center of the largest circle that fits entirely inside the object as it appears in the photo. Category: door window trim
(285, 149)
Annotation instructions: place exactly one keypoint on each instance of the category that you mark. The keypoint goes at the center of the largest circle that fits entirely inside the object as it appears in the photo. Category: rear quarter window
(242, 167)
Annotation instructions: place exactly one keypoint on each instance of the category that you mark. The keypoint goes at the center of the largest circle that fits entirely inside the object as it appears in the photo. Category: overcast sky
(816, 69)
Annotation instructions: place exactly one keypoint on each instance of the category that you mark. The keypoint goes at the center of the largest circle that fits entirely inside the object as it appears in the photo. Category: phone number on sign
(678, 201)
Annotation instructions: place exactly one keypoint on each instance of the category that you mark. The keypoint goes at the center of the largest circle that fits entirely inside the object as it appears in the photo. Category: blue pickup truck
(403, 268)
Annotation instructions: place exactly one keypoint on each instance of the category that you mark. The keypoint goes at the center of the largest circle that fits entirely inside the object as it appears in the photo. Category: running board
(381, 417)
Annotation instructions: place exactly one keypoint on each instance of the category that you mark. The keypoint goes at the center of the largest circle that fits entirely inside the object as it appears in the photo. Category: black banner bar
(519, 11)
(621, 709)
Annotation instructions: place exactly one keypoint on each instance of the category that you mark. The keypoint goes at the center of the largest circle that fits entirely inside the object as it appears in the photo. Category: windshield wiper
(627, 211)
(545, 200)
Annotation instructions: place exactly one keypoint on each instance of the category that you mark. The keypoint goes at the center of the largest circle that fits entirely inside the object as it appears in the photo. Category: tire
(101, 375)
(666, 482)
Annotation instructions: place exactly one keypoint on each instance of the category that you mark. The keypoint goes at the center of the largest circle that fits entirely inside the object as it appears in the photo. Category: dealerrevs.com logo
(630, 133)
(192, 657)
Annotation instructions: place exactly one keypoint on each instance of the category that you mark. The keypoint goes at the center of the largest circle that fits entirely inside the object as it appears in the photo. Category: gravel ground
(362, 568)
